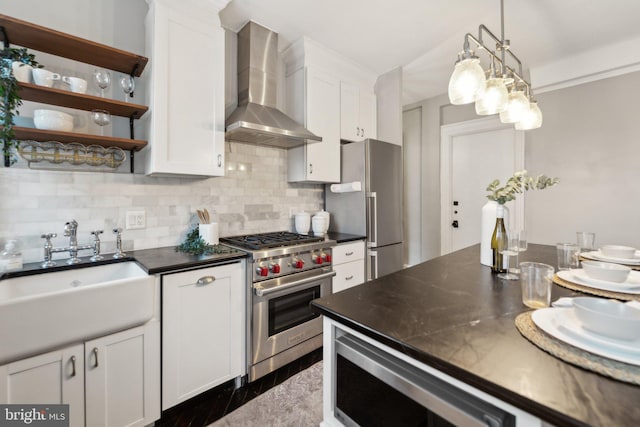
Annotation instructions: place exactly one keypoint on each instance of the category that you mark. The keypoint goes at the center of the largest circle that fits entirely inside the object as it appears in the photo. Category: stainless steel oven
(285, 273)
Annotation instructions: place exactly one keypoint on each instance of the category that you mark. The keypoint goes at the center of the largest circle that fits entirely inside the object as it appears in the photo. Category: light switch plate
(136, 220)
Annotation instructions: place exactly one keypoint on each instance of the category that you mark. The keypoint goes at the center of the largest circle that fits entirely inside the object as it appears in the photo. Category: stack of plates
(629, 286)
(562, 324)
(599, 256)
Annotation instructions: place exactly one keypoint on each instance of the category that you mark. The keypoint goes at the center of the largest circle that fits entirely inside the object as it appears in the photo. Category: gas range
(285, 272)
(281, 253)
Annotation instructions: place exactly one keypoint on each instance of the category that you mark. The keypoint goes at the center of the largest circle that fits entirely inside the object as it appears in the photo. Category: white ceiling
(424, 36)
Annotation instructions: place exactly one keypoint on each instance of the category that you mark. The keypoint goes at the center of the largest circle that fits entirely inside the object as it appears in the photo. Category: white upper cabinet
(185, 46)
(320, 95)
(312, 97)
(357, 113)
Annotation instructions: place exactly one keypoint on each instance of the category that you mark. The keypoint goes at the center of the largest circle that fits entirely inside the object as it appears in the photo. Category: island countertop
(452, 314)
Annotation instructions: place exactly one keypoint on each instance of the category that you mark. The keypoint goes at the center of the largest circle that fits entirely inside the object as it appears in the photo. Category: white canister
(209, 233)
(319, 225)
(302, 222)
(326, 216)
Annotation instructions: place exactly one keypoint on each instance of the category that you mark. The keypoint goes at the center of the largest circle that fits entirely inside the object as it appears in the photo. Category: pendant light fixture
(468, 84)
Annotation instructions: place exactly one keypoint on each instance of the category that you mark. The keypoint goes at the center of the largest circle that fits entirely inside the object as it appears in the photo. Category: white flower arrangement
(518, 183)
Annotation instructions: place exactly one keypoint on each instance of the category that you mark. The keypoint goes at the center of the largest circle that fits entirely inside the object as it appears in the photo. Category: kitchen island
(451, 315)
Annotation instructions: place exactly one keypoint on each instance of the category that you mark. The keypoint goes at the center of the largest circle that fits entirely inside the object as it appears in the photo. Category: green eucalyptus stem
(517, 184)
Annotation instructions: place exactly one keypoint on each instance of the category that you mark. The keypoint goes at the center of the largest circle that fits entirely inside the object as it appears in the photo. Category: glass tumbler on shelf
(101, 118)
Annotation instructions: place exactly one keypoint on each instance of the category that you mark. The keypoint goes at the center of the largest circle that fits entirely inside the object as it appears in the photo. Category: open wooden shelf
(44, 39)
(40, 135)
(65, 98)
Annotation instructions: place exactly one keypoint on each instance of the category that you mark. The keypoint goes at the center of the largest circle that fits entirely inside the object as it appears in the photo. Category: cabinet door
(51, 378)
(202, 330)
(349, 112)
(368, 115)
(323, 118)
(186, 129)
(348, 275)
(122, 377)
(358, 113)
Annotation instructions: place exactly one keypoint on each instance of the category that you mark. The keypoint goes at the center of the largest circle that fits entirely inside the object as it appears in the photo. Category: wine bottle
(498, 241)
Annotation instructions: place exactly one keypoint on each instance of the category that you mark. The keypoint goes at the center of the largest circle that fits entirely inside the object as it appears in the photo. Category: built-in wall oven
(285, 273)
(375, 388)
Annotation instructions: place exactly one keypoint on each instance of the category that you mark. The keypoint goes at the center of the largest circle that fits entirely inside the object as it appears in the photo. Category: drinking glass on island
(568, 256)
(505, 249)
(536, 279)
(586, 241)
(517, 244)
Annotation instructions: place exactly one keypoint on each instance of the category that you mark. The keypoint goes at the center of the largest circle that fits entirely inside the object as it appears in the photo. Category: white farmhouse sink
(48, 310)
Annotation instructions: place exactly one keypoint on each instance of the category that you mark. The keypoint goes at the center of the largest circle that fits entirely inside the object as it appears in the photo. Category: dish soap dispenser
(10, 257)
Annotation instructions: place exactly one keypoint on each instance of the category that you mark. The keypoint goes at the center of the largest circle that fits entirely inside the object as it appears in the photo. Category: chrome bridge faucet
(71, 231)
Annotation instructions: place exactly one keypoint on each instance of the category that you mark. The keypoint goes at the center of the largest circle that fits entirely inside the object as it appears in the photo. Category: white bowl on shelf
(53, 120)
(607, 317)
(617, 251)
(606, 271)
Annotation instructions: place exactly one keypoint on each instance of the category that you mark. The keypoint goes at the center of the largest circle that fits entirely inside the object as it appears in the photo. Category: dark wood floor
(216, 403)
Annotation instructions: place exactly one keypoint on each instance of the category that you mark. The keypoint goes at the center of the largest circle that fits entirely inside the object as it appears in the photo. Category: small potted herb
(9, 94)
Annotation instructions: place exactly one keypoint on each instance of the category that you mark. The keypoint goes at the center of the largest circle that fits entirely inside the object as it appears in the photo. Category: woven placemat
(570, 354)
(593, 291)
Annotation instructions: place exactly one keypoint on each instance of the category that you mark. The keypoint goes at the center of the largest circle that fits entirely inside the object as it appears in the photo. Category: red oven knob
(262, 271)
(317, 259)
(327, 257)
(298, 263)
(275, 268)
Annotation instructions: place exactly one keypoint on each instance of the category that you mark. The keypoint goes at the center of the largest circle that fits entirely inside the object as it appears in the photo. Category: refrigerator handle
(372, 220)
(372, 270)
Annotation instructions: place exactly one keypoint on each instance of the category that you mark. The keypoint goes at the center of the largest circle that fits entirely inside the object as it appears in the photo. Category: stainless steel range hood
(257, 120)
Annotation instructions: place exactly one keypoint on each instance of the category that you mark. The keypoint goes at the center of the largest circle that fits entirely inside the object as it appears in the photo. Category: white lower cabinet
(109, 381)
(202, 330)
(348, 263)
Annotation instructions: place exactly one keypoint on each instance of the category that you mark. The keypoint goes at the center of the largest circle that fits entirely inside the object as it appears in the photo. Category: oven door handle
(266, 291)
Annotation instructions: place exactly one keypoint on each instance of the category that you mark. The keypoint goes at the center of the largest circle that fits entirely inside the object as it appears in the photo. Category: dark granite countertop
(153, 261)
(344, 237)
(451, 313)
(165, 259)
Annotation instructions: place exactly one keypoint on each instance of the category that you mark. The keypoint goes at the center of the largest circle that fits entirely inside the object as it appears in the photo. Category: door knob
(454, 224)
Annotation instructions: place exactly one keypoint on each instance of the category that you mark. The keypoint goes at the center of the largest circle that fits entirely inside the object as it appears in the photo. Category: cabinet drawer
(347, 275)
(348, 252)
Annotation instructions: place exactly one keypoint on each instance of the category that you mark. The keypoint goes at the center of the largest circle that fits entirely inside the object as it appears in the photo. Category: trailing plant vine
(9, 94)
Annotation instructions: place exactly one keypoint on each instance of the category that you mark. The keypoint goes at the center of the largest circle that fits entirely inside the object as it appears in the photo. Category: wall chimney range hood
(257, 120)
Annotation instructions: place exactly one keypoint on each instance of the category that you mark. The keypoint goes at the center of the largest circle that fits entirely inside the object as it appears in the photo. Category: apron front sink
(49, 310)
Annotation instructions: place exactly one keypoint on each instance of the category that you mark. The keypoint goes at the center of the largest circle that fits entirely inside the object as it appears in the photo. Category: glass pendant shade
(517, 106)
(465, 82)
(532, 119)
(493, 98)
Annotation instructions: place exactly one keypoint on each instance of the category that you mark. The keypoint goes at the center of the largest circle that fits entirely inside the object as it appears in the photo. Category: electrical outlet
(136, 220)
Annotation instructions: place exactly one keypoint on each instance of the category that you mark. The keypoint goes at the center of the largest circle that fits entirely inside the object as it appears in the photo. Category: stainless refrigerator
(375, 210)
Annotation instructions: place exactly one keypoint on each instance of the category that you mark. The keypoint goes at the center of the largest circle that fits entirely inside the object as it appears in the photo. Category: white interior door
(475, 153)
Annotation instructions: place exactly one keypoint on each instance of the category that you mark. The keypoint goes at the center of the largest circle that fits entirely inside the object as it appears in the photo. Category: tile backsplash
(254, 196)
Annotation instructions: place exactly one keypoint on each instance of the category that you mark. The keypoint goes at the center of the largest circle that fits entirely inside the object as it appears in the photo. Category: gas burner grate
(270, 240)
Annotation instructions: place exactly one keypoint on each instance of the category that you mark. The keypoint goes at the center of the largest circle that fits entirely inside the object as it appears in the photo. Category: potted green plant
(9, 94)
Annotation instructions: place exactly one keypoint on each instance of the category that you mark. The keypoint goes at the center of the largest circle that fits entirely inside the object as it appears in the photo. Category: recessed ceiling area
(424, 37)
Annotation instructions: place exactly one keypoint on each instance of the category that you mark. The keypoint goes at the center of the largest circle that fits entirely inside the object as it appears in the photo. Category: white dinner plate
(562, 324)
(630, 286)
(599, 256)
